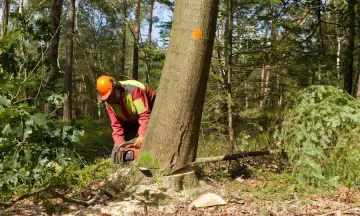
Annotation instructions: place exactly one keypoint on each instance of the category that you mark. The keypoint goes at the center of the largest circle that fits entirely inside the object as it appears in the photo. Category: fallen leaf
(206, 200)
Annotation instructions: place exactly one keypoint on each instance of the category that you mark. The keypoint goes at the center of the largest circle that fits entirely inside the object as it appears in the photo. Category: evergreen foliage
(320, 136)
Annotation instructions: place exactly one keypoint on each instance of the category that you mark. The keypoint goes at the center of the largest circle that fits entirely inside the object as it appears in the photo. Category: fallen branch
(82, 202)
(341, 210)
(9, 204)
(230, 157)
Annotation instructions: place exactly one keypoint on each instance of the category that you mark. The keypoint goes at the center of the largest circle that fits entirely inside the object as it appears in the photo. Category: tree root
(82, 202)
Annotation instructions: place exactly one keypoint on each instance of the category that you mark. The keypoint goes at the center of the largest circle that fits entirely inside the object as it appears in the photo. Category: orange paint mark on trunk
(196, 34)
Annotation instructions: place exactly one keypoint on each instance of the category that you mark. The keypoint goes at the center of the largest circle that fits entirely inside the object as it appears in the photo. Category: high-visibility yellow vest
(129, 109)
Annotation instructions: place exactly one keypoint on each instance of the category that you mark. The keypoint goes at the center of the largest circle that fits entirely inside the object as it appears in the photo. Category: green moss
(146, 160)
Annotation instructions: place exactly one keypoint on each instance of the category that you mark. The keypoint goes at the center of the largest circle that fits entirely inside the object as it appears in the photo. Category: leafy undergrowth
(252, 187)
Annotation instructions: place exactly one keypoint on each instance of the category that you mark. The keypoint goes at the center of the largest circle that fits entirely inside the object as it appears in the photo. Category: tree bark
(349, 57)
(172, 135)
(135, 74)
(67, 115)
(5, 16)
(148, 61)
(123, 56)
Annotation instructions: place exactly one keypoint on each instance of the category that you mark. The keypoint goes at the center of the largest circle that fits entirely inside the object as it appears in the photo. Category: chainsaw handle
(125, 144)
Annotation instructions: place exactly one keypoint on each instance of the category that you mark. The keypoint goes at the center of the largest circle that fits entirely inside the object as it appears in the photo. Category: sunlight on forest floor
(258, 191)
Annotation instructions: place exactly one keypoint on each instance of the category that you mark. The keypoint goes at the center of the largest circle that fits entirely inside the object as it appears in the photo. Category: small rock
(206, 200)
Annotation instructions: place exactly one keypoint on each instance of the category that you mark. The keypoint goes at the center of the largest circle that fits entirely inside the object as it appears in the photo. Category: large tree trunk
(135, 74)
(172, 135)
(148, 61)
(123, 53)
(69, 60)
(228, 56)
(349, 56)
(5, 16)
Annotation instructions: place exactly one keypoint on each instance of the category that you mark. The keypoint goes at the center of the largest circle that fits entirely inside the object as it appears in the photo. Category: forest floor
(266, 193)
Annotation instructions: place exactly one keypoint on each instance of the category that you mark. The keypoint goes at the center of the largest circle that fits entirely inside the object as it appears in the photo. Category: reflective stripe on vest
(129, 110)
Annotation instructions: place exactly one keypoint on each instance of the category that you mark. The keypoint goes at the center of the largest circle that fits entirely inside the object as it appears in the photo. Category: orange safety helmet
(105, 86)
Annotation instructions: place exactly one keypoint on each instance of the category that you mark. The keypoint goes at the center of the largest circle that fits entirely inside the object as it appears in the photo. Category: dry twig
(82, 202)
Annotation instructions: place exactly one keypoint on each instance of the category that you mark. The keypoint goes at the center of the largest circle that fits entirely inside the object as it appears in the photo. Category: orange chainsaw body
(126, 152)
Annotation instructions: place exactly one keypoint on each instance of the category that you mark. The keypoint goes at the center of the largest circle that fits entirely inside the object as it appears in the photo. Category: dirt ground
(154, 200)
(267, 193)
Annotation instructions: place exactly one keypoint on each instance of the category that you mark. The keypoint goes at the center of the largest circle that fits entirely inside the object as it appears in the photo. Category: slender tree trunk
(77, 6)
(349, 57)
(123, 53)
(262, 90)
(273, 39)
(21, 6)
(55, 15)
(358, 53)
(172, 135)
(358, 70)
(267, 80)
(219, 85)
(135, 74)
(228, 35)
(246, 95)
(69, 60)
(5, 16)
(148, 61)
(338, 51)
(265, 59)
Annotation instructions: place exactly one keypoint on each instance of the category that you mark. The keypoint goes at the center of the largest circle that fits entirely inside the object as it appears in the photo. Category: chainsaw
(125, 152)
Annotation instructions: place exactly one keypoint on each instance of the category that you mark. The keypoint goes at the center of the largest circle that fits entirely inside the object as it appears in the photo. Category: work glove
(139, 141)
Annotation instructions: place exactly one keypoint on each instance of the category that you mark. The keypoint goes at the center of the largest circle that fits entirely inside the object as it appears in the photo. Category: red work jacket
(135, 105)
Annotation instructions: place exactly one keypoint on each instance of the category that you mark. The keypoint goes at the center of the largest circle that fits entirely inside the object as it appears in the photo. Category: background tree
(349, 56)
(69, 60)
(5, 16)
(135, 73)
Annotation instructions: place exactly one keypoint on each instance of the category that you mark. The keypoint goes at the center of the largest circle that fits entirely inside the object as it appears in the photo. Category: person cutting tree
(129, 104)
